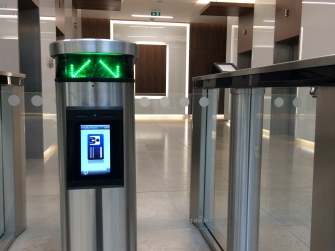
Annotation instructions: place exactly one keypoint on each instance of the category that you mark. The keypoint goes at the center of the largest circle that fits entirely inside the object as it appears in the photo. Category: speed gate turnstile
(96, 142)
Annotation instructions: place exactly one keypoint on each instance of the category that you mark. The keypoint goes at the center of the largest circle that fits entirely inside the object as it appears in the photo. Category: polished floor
(286, 191)
(163, 178)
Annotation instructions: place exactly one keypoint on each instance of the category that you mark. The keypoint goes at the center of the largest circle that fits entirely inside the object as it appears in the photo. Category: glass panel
(2, 209)
(287, 169)
(287, 172)
(216, 177)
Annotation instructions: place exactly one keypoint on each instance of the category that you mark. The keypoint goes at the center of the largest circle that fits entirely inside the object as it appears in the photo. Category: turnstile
(96, 142)
(13, 210)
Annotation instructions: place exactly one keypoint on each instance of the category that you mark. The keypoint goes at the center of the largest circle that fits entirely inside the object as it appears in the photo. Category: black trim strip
(127, 80)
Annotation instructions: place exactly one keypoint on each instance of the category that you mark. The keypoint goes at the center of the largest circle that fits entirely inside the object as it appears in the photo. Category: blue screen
(95, 149)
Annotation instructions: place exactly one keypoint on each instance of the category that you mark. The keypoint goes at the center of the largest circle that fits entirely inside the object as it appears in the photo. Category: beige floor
(163, 170)
(163, 177)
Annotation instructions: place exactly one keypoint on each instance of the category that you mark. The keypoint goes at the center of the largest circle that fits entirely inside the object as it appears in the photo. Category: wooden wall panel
(245, 32)
(95, 28)
(60, 18)
(150, 71)
(27, 4)
(208, 36)
(287, 27)
(207, 45)
(111, 5)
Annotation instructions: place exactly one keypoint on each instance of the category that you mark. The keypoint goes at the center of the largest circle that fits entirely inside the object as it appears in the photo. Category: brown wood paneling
(150, 71)
(28, 4)
(245, 32)
(208, 36)
(207, 45)
(226, 9)
(60, 17)
(287, 27)
(37, 2)
(201, 62)
(111, 5)
(95, 28)
(244, 60)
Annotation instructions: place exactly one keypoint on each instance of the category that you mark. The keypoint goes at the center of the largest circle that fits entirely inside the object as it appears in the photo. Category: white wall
(9, 47)
(174, 36)
(263, 45)
(317, 39)
(48, 35)
(231, 57)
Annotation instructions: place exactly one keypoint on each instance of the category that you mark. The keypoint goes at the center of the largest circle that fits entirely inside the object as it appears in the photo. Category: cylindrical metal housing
(245, 169)
(97, 219)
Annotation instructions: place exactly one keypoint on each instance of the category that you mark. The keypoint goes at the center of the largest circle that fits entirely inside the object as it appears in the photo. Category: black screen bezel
(77, 116)
(216, 67)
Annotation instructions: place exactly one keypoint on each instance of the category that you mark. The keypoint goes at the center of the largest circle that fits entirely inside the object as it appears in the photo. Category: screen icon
(95, 146)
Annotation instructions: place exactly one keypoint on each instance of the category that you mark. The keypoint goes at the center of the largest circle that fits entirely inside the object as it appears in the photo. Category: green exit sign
(155, 13)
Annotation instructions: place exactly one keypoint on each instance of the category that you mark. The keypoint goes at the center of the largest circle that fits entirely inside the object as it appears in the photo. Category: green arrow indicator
(115, 74)
(75, 75)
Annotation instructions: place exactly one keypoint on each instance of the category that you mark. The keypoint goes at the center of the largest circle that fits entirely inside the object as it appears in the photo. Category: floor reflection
(163, 177)
(286, 191)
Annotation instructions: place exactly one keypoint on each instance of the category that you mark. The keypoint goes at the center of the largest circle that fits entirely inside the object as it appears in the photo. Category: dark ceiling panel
(226, 9)
(111, 5)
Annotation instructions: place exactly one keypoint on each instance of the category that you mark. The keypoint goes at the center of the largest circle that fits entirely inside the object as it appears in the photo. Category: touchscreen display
(95, 149)
(226, 67)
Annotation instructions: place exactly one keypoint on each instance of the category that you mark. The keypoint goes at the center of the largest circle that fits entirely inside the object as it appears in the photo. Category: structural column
(245, 169)
(323, 207)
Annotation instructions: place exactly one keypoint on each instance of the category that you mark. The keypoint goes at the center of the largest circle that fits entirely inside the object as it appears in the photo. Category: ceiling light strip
(329, 3)
(143, 36)
(149, 16)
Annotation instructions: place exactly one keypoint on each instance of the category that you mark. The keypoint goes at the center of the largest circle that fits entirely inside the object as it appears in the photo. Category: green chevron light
(75, 75)
(115, 74)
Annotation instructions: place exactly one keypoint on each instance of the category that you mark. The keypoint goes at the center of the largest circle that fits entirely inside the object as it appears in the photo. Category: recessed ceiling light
(144, 27)
(143, 36)
(9, 16)
(158, 27)
(47, 18)
(227, 1)
(318, 2)
(135, 15)
(7, 9)
(268, 21)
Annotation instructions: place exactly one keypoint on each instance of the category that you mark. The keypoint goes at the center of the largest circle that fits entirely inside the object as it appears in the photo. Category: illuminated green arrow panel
(81, 66)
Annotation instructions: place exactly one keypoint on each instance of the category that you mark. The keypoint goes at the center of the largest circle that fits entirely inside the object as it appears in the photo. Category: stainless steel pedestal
(97, 219)
(12, 158)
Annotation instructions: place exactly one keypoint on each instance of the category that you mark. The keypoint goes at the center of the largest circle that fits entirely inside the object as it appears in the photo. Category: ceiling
(144, 33)
(185, 11)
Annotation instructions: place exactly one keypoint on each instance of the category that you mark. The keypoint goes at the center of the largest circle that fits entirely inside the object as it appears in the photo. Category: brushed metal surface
(2, 201)
(78, 207)
(61, 137)
(12, 74)
(82, 220)
(198, 157)
(6, 240)
(14, 160)
(130, 164)
(114, 208)
(323, 204)
(19, 161)
(244, 169)
(93, 46)
(93, 94)
(210, 163)
(294, 65)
